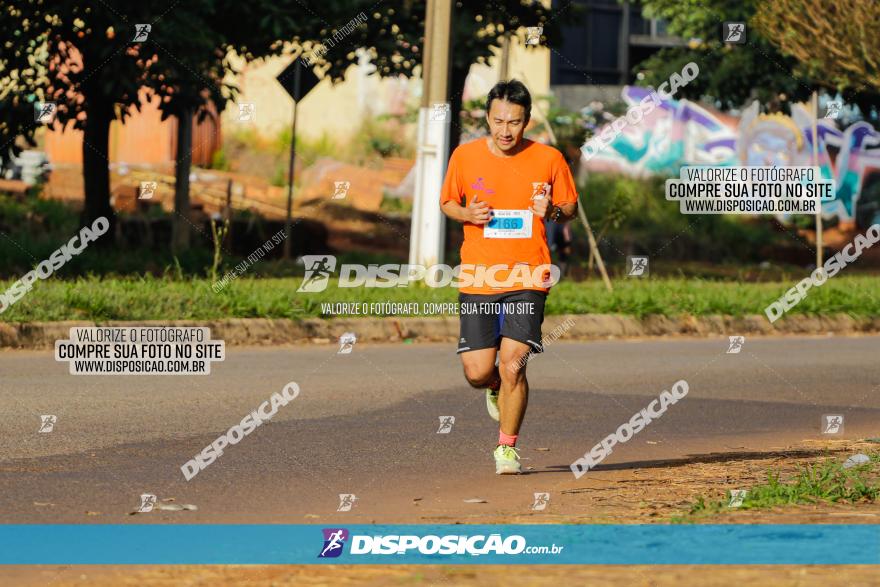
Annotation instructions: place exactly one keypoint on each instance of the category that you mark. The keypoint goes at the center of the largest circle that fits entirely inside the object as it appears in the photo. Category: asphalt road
(366, 424)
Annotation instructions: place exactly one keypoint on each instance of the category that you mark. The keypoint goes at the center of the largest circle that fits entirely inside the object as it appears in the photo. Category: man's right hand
(478, 212)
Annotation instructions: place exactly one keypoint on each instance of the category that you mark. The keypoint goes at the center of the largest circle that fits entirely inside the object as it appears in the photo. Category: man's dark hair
(513, 91)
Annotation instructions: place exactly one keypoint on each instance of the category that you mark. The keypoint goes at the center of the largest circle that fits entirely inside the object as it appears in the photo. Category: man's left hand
(540, 206)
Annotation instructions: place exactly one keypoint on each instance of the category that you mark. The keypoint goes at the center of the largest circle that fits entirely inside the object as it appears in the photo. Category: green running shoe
(492, 404)
(506, 460)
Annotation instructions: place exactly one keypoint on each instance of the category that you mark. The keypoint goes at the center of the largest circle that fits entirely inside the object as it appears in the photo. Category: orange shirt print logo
(540, 189)
(481, 187)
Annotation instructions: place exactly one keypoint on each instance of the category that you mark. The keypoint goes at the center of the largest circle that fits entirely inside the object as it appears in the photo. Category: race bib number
(509, 224)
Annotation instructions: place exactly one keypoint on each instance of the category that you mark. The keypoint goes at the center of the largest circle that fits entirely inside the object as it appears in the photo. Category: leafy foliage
(835, 41)
(730, 75)
(394, 32)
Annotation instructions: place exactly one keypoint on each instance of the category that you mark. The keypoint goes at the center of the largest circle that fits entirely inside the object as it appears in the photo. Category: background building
(597, 57)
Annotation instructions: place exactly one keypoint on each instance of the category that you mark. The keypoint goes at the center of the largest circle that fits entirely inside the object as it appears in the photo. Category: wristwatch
(555, 213)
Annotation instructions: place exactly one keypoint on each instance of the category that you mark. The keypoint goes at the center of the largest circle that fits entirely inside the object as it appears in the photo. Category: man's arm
(563, 187)
(476, 213)
(544, 208)
(566, 212)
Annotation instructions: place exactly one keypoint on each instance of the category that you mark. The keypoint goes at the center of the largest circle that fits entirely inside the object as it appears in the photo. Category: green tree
(730, 75)
(836, 42)
(196, 47)
(82, 58)
(79, 57)
(394, 36)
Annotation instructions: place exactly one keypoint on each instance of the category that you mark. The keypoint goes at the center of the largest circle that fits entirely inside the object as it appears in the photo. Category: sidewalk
(261, 331)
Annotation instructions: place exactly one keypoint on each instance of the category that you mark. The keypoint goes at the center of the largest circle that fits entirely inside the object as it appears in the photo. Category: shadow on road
(715, 457)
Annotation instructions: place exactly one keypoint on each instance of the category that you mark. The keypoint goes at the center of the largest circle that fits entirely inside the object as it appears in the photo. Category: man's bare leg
(479, 367)
(514, 395)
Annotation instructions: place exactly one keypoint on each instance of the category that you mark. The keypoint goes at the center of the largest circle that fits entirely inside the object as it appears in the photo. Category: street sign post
(297, 79)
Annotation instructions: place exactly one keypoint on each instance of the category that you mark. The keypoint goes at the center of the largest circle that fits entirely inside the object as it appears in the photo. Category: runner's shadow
(715, 457)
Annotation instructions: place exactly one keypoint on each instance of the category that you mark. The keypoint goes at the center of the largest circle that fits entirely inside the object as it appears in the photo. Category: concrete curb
(261, 331)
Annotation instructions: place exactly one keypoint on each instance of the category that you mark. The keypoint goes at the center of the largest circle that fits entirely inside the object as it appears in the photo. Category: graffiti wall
(680, 133)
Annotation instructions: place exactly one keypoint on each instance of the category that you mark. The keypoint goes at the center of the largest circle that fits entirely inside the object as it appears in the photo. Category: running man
(319, 270)
(334, 542)
(503, 188)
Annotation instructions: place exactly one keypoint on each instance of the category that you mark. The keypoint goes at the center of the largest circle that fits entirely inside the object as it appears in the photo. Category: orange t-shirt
(507, 185)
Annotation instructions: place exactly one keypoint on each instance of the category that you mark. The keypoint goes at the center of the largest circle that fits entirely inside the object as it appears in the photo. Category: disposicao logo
(431, 545)
(334, 540)
(319, 269)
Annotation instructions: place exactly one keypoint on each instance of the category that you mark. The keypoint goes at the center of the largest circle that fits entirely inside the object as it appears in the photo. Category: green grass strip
(166, 298)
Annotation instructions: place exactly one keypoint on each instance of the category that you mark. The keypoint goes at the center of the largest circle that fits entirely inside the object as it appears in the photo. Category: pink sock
(508, 439)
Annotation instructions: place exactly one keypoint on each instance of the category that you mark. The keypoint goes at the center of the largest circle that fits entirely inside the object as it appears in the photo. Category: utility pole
(815, 105)
(426, 244)
(504, 68)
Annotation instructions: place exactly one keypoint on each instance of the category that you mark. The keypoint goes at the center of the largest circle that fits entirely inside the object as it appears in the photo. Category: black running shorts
(487, 318)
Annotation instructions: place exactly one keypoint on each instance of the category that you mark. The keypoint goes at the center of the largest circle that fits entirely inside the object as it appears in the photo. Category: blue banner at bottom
(621, 544)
